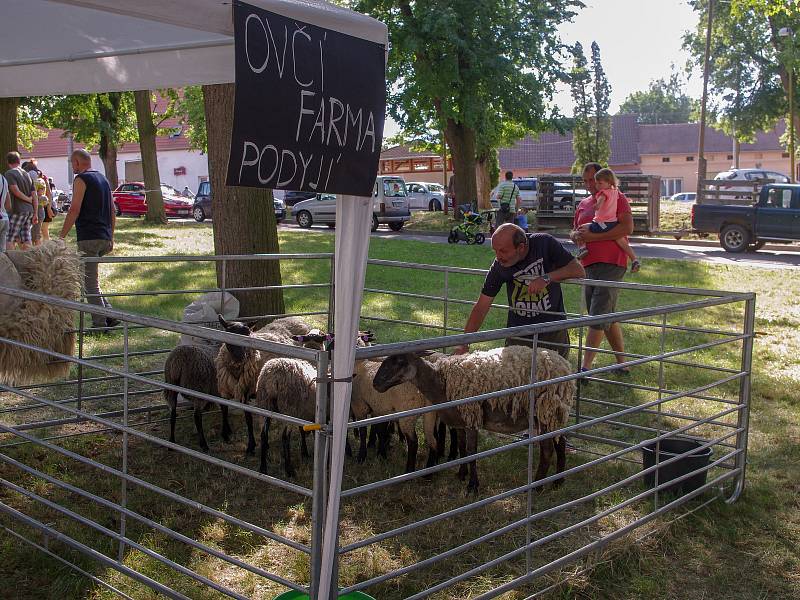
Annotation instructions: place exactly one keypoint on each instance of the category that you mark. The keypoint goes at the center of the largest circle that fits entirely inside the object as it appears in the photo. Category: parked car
(291, 198)
(390, 206)
(201, 210)
(425, 196)
(565, 197)
(527, 190)
(129, 199)
(775, 217)
(728, 179)
(684, 197)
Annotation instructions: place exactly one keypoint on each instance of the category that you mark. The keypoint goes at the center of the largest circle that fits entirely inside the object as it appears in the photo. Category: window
(205, 189)
(665, 159)
(730, 156)
(422, 164)
(785, 155)
(671, 186)
(777, 177)
(529, 185)
(690, 159)
(755, 175)
(779, 198)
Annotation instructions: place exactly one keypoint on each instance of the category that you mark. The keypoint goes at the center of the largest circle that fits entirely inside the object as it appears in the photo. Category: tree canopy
(474, 68)
(749, 80)
(664, 101)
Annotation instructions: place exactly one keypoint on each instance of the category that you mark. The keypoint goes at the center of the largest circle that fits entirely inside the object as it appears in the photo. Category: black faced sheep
(461, 376)
(238, 367)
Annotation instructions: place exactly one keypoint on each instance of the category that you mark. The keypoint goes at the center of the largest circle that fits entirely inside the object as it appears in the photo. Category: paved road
(772, 257)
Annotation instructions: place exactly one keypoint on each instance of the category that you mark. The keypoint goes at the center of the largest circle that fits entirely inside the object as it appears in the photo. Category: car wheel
(479, 238)
(734, 238)
(434, 205)
(117, 209)
(396, 226)
(198, 214)
(756, 246)
(304, 219)
(331, 225)
(452, 238)
(374, 223)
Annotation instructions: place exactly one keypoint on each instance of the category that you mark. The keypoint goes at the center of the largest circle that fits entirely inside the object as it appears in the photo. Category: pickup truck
(774, 218)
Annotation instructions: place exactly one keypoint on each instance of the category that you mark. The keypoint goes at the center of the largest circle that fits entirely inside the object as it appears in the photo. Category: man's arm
(572, 270)
(624, 228)
(78, 189)
(476, 317)
(15, 191)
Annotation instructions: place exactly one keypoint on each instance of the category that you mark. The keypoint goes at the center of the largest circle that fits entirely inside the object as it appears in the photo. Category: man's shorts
(19, 228)
(602, 300)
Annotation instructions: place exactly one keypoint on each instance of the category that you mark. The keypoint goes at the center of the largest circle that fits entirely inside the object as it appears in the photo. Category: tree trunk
(8, 126)
(244, 218)
(483, 181)
(147, 146)
(461, 140)
(109, 117)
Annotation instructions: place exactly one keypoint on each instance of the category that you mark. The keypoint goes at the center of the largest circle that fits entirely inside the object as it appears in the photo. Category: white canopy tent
(85, 46)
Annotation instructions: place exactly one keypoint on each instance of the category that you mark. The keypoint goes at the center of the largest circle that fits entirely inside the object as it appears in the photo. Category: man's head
(589, 171)
(12, 158)
(510, 244)
(509, 175)
(81, 160)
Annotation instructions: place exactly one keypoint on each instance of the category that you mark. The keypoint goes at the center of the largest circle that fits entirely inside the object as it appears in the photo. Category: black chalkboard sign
(309, 107)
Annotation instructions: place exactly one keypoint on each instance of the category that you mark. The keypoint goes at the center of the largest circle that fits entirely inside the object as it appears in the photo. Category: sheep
(289, 386)
(192, 367)
(461, 376)
(238, 367)
(366, 400)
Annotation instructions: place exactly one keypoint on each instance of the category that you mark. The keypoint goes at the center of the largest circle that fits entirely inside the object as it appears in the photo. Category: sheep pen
(403, 533)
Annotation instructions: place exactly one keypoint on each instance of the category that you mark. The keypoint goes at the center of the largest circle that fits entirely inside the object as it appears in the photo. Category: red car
(129, 199)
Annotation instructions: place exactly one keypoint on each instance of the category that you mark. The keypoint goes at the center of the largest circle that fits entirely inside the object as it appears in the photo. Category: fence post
(531, 434)
(743, 419)
(124, 490)
(320, 483)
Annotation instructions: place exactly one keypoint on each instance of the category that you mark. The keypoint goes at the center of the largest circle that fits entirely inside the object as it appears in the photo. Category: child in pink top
(605, 215)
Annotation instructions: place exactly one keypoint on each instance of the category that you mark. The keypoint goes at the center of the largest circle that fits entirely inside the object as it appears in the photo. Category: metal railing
(116, 393)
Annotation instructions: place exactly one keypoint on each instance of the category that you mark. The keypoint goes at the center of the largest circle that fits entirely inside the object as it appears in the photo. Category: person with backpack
(508, 192)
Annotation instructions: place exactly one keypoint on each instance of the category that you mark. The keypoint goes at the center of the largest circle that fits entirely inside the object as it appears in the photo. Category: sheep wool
(237, 379)
(366, 400)
(502, 368)
(55, 270)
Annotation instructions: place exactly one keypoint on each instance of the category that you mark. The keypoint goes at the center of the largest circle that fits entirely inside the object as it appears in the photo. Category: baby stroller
(469, 230)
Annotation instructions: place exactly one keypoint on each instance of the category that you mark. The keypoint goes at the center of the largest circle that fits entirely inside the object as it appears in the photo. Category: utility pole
(701, 159)
(70, 148)
(787, 32)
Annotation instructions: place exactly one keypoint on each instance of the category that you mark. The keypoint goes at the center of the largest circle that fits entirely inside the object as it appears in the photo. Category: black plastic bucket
(691, 462)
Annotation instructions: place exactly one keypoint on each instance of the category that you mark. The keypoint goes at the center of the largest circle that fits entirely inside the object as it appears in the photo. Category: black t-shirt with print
(545, 254)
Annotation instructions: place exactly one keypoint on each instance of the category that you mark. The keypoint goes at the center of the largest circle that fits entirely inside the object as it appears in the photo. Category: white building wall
(196, 165)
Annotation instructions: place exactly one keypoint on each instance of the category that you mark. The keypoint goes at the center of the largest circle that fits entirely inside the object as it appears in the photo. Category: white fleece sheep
(52, 269)
(461, 376)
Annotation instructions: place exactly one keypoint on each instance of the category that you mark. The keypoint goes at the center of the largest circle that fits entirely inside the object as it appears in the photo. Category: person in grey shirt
(23, 200)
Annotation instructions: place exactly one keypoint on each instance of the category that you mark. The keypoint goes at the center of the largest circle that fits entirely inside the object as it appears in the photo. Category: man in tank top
(92, 213)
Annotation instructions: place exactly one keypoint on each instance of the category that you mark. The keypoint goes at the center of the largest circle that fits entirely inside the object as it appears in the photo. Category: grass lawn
(750, 549)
